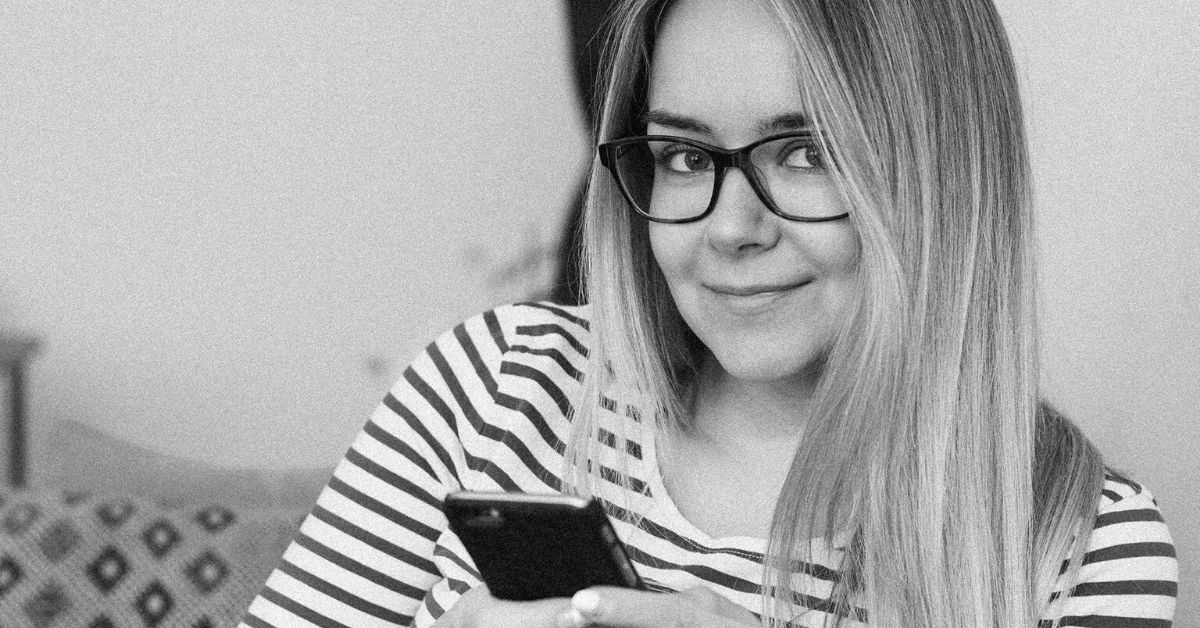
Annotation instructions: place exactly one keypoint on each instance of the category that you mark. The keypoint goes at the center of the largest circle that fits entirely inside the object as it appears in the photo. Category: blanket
(103, 561)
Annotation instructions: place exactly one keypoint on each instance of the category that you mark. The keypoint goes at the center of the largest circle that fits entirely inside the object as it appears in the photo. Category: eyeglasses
(674, 180)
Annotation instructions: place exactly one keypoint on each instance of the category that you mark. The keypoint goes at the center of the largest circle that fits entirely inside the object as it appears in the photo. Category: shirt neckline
(669, 510)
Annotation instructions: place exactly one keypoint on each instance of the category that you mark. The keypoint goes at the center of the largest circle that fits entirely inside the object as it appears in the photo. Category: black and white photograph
(599, 313)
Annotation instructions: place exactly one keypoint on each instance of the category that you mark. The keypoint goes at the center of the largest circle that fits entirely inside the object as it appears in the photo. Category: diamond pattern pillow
(72, 559)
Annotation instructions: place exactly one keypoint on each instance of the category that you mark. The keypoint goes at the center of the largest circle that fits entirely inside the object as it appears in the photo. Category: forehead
(726, 62)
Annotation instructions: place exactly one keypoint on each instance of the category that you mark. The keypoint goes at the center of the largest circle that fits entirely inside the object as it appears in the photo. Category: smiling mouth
(755, 289)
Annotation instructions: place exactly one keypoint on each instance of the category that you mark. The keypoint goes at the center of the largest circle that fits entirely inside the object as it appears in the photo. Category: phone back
(528, 552)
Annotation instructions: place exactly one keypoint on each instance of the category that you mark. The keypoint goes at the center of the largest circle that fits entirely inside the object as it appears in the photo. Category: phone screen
(530, 547)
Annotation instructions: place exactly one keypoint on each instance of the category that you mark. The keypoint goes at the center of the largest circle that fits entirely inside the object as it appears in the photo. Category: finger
(478, 609)
(621, 608)
(628, 608)
(529, 614)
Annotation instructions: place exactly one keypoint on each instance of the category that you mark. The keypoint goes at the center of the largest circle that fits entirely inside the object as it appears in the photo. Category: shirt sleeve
(375, 551)
(1129, 576)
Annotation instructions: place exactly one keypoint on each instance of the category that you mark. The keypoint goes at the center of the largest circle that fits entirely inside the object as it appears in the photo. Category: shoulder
(1118, 487)
(503, 376)
(540, 324)
(510, 352)
(487, 339)
(544, 348)
(1129, 568)
(1129, 523)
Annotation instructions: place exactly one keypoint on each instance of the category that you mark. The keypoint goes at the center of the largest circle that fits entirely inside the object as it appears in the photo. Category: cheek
(834, 252)
(671, 249)
(839, 258)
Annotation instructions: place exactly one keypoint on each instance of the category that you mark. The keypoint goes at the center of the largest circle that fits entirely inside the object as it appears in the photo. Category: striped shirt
(485, 408)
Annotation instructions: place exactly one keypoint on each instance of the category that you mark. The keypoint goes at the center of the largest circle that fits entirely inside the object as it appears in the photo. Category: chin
(775, 347)
(747, 364)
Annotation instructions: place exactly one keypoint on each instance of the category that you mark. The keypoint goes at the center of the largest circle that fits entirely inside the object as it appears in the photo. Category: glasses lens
(665, 179)
(794, 172)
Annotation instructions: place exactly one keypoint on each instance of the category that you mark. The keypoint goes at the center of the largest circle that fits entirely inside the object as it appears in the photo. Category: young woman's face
(766, 295)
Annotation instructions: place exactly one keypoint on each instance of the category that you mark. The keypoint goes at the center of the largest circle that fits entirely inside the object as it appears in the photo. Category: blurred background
(230, 225)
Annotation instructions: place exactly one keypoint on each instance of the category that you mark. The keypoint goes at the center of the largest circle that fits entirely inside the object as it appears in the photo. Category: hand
(611, 607)
(478, 609)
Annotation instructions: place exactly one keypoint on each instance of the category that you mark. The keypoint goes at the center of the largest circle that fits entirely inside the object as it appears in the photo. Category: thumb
(627, 608)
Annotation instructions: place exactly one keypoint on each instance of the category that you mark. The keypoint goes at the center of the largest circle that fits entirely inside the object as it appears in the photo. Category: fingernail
(570, 619)
(586, 601)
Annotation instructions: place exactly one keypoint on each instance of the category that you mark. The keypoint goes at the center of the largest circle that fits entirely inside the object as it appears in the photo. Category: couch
(115, 535)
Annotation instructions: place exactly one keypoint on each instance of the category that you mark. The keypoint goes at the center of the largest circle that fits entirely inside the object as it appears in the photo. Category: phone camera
(487, 518)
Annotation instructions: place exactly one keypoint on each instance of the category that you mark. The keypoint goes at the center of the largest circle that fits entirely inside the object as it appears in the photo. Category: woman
(806, 382)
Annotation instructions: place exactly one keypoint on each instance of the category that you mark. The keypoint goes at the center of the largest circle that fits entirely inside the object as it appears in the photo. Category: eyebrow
(778, 124)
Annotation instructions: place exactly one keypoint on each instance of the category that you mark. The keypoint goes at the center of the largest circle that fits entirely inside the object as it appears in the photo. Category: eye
(684, 159)
(805, 155)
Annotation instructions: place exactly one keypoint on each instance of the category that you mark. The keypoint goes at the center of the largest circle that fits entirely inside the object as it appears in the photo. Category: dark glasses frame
(723, 159)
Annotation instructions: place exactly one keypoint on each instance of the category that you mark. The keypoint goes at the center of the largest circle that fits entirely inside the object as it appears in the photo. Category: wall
(232, 224)
(1111, 88)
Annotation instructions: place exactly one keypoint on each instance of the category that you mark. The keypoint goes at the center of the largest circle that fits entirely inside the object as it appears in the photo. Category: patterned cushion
(73, 559)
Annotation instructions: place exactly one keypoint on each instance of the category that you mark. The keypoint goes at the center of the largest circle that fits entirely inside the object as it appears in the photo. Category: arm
(375, 550)
(1129, 575)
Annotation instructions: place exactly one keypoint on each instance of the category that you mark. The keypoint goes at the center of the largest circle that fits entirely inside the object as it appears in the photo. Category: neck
(747, 415)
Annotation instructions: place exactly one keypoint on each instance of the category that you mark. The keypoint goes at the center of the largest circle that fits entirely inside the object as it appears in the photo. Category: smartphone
(532, 546)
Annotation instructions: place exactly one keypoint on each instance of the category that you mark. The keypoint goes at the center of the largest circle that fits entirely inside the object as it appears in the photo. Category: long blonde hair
(926, 440)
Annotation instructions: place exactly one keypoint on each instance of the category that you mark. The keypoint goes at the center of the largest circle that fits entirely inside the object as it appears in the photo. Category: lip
(756, 289)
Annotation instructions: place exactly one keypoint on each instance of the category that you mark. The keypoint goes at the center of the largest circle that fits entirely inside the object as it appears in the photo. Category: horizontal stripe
(299, 610)
(1121, 479)
(357, 568)
(458, 586)
(703, 572)
(721, 579)
(555, 355)
(442, 552)
(534, 418)
(488, 467)
(392, 479)
(455, 384)
(620, 479)
(417, 426)
(496, 331)
(537, 331)
(374, 542)
(345, 597)
(503, 386)
(1127, 587)
(1108, 621)
(683, 543)
(431, 604)
(254, 622)
(482, 426)
(430, 396)
(559, 313)
(1129, 550)
(384, 438)
(383, 510)
(547, 385)
(609, 439)
(1127, 516)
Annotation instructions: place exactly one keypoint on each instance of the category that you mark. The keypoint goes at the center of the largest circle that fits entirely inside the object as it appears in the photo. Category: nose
(740, 223)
